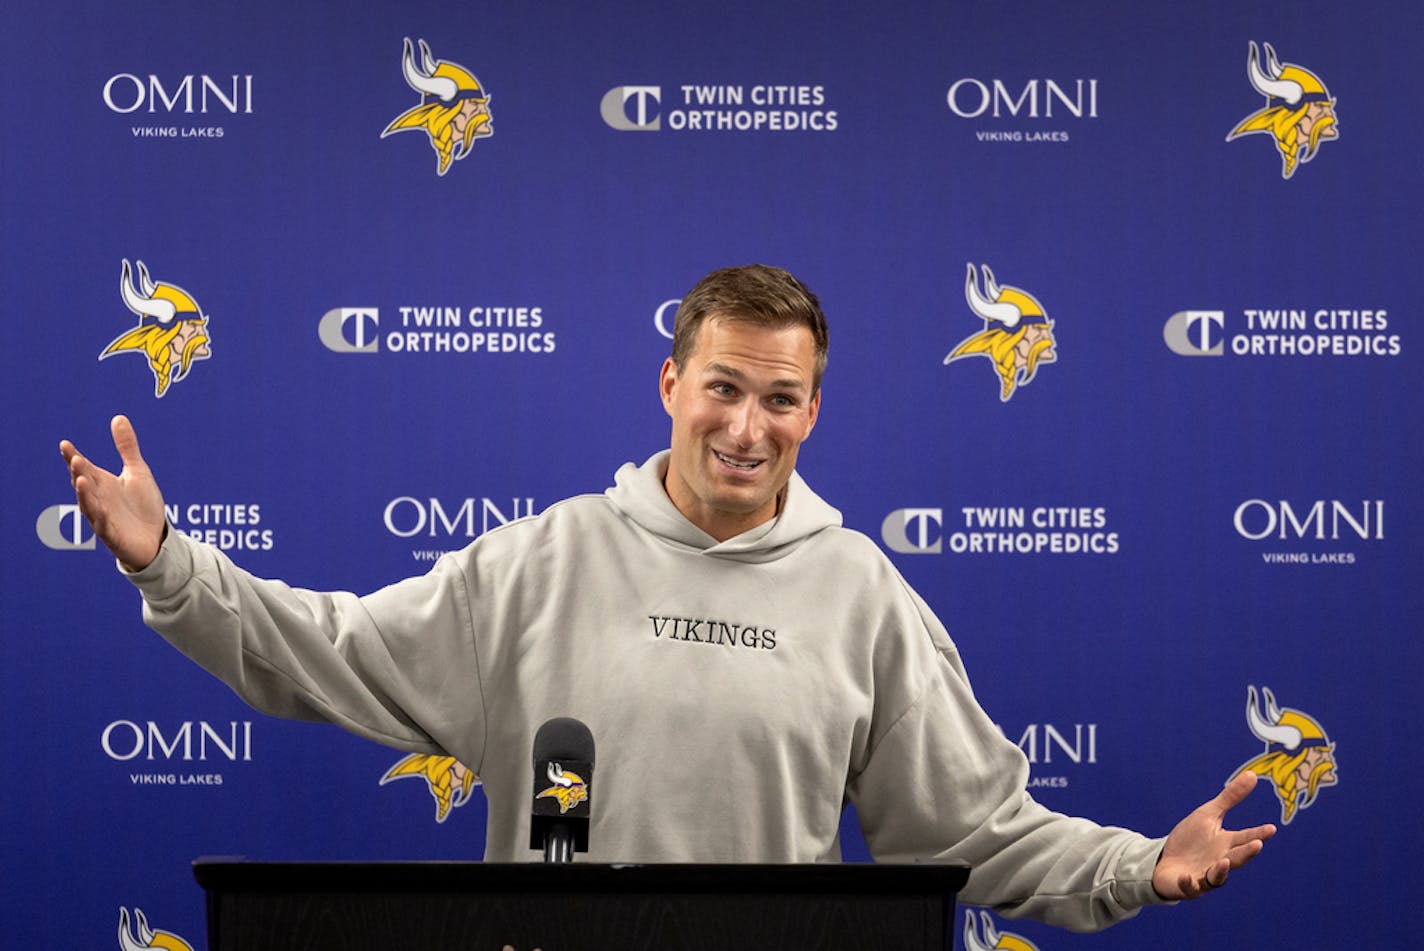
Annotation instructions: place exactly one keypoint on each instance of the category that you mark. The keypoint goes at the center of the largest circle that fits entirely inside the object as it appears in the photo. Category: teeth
(735, 464)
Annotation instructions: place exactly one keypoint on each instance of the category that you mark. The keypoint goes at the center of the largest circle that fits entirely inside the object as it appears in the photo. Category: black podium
(453, 906)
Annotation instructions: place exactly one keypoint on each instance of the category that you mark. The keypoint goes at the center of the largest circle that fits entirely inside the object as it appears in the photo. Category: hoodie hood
(638, 493)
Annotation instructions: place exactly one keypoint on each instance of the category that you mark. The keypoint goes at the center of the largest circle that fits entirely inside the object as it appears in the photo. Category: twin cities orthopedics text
(999, 529)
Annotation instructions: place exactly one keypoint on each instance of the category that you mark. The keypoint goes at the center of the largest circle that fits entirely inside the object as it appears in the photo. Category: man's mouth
(743, 465)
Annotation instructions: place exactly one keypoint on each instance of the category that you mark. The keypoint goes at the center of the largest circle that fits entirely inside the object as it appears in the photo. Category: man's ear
(667, 381)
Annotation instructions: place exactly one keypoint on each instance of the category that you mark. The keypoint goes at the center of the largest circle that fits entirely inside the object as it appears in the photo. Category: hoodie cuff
(169, 571)
(1134, 874)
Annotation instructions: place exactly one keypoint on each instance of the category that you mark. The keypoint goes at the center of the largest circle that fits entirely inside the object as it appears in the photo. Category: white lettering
(137, 93)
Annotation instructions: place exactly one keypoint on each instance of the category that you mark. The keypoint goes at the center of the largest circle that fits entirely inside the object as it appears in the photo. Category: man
(746, 664)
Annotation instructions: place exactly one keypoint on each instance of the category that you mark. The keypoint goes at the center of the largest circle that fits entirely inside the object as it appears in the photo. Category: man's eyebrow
(722, 369)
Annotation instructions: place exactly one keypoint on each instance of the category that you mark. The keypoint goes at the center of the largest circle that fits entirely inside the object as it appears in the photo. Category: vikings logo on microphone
(1299, 758)
(172, 330)
(143, 938)
(568, 788)
(1299, 112)
(1017, 334)
(453, 110)
(988, 938)
(449, 782)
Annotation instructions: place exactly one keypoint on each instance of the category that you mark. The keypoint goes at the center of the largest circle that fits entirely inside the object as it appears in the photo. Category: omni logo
(127, 93)
(645, 102)
(189, 741)
(1257, 519)
(972, 98)
(408, 516)
(63, 528)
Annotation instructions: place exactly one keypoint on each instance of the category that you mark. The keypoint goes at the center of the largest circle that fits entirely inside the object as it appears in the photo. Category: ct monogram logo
(1196, 333)
(62, 528)
(645, 102)
(908, 531)
(350, 330)
(665, 315)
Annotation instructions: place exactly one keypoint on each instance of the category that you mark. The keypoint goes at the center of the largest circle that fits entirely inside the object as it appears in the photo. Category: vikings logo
(172, 331)
(1299, 757)
(991, 939)
(453, 110)
(145, 938)
(568, 788)
(1299, 112)
(1017, 335)
(449, 781)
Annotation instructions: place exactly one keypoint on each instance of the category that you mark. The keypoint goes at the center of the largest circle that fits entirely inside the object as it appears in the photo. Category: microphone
(563, 776)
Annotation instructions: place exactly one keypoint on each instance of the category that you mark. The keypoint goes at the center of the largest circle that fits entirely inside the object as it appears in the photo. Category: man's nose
(748, 423)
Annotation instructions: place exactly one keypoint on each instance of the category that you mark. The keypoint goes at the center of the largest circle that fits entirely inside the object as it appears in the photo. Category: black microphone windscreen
(563, 738)
(563, 781)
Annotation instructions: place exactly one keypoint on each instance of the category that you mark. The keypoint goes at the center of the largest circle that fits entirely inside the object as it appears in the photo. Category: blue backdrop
(1208, 486)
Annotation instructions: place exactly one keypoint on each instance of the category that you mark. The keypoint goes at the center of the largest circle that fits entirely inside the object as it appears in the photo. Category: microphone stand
(559, 844)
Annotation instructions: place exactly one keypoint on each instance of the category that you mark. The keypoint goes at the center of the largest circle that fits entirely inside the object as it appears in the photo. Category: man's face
(741, 406)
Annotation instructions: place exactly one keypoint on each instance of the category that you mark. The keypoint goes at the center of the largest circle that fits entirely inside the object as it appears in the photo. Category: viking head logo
(1299, 758)
(568, 788)
(144, 938)
(1299, 112)
(453, 110)
(987, 937)
(172, 331)
(449, 781)
(1017, 334)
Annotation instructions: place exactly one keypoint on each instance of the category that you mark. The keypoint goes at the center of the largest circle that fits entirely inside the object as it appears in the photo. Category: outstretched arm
(126, 510)
(1199, 854)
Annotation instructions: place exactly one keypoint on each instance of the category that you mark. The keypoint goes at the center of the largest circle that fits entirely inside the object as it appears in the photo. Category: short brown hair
(756, 293)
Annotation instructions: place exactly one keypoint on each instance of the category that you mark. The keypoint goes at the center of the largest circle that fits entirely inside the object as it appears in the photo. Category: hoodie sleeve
(943, 784)
(398, 666)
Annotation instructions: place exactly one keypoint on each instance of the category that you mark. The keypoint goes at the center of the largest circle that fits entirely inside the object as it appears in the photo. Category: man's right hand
(126, 510)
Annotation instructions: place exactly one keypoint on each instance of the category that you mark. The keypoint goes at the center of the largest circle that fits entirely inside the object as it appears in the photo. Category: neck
(722, 525)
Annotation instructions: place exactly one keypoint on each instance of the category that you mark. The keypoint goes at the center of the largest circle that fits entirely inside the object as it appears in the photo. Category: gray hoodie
(739, 692)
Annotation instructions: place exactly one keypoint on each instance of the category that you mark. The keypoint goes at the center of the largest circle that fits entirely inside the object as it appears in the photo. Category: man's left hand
(1199, 854)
